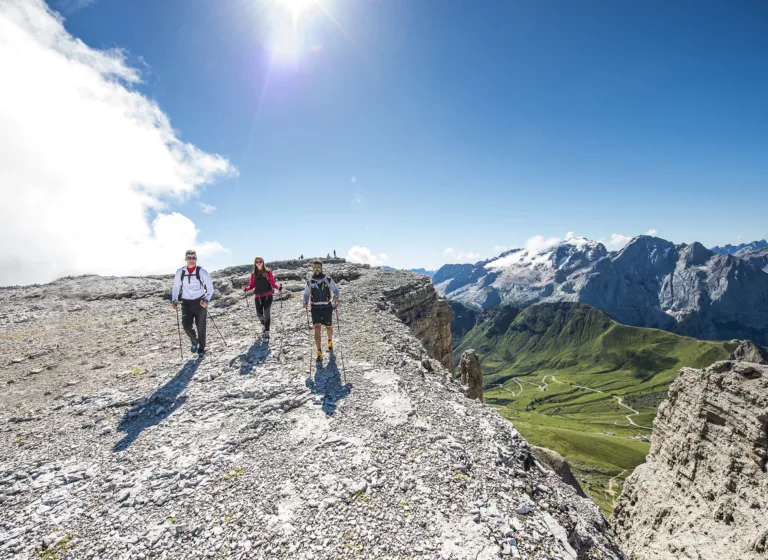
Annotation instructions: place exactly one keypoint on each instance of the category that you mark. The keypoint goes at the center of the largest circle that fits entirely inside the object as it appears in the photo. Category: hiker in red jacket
(262, 283)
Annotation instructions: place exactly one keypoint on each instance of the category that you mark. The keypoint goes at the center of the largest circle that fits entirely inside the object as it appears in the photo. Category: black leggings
(264, 310)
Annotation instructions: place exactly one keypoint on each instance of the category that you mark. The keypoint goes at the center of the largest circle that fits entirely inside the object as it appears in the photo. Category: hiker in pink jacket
(262, 284)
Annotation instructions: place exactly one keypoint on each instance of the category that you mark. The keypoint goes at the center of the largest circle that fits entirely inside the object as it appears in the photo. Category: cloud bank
(363, 255)
(455, 256)
(87, 164)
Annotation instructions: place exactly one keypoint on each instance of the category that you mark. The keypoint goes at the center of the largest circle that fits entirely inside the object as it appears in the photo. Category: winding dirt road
(618, 399)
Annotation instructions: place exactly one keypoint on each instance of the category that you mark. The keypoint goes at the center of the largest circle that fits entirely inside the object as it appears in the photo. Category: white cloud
(207, 208)
(354, 179)
(617, 241)
(538, 243)
(87, 164)
(363, 255)
(460, 256)
(569, 235)
(72, 5)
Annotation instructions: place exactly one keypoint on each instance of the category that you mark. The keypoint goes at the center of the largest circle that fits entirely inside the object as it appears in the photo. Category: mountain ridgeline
(740, 248)
(116, 446)
(684, 289)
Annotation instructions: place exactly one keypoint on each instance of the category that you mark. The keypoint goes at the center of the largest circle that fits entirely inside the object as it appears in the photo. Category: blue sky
(408, 127)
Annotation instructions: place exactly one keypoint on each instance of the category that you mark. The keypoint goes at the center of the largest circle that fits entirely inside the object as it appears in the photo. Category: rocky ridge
(114, 447)
(703, 491)
(756, 257)
(741, 247)
(685, 289)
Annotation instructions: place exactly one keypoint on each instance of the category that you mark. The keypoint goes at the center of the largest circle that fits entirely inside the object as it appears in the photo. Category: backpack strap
(197, 275)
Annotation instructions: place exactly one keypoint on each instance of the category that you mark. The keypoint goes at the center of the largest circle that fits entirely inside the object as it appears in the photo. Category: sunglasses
(259, 261)
(191, 258)
(317, 268)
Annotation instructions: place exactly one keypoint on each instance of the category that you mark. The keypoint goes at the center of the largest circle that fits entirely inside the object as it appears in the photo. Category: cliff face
(703, 492)
(114, 447)
(416, 303)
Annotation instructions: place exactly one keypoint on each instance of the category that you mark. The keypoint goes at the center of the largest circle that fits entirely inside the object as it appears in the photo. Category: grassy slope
(533, 359)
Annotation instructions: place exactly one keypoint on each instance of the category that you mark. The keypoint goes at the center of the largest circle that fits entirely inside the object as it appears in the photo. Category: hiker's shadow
(327, 383)
(257, 354)
(155, 408)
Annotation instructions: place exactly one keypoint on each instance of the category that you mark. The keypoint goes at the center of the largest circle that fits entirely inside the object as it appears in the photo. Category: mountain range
(423, 271)
(682, 288)
(733, 249)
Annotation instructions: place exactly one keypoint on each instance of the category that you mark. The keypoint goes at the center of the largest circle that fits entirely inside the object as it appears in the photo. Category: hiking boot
(265, 336)
(319, 355)
(194, 348)
(200, 355)
(330, 346)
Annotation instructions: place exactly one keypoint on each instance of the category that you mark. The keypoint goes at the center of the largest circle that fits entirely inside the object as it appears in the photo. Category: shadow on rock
(327, 383)
(156, 408)
(257, 354)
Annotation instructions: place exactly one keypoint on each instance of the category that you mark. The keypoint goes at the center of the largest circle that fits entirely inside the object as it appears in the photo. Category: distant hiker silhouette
(318, 292)
(196, 289)
(262, 283)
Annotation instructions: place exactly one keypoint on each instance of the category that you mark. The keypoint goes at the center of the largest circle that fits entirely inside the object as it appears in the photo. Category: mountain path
(611, 484)
(501, 386)
(618, 399)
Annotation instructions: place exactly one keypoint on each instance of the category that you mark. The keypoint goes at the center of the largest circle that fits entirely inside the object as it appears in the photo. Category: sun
(295, 7)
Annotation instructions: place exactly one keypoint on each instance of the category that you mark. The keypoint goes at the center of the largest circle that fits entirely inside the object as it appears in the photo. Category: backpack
(197, 275)
(320, 290)
(261, 284)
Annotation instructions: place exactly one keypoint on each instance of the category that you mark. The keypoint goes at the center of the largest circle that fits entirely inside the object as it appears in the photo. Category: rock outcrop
(557, 463)
(114, 448)
(703, 492)
(750, 352)
(472, 374)
(685, 289)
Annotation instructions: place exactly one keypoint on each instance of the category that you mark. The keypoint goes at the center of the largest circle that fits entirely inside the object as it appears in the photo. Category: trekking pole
(279, 327)
(179, 327)
(343, 369)
(311, 347)
(217, 329)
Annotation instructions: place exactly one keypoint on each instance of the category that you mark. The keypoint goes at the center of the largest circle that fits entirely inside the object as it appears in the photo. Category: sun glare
(287, 34)
(295, 7)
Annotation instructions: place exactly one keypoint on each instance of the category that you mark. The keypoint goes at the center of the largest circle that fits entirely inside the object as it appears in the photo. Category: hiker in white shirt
(196, 291)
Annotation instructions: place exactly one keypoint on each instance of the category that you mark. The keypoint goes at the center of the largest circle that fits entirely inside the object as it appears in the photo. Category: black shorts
(322, 314)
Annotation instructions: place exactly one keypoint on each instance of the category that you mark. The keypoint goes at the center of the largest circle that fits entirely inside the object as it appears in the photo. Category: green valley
(571, 378)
